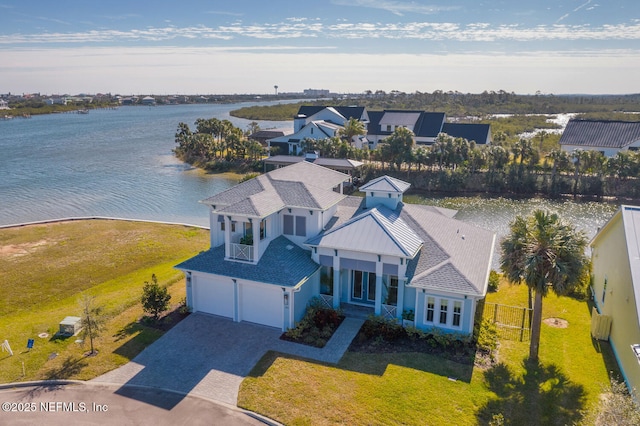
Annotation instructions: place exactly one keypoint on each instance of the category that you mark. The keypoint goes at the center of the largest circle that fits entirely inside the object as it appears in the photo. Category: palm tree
(546, 254)
(353, 127)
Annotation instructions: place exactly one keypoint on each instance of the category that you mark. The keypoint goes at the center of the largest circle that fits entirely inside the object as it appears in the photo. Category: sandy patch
(17, 250)
(556, 322)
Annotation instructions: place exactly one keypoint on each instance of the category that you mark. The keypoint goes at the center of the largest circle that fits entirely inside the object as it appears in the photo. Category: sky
(346, 46)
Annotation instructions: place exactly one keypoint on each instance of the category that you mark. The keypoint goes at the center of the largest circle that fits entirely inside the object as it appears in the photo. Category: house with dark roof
(608, 137)
(321, 122)
(317, 122)
(291, 235)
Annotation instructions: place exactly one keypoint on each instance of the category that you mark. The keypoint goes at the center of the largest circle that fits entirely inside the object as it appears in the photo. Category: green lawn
(44, 269)
(414, 388)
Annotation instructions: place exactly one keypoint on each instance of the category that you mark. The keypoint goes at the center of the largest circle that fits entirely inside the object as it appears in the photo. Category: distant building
(315, 92)
(608, 137)
(56, 101)
(148, 100)
(4, 104)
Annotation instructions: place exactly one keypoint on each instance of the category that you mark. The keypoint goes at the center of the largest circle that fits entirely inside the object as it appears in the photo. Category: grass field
(44, 270)
(415, 388)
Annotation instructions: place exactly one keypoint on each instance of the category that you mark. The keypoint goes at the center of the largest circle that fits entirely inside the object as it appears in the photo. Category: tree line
(525, 167)
(218, 145)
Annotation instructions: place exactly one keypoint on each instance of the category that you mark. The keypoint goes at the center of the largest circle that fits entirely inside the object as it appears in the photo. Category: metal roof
(378, 230)
(600, 133)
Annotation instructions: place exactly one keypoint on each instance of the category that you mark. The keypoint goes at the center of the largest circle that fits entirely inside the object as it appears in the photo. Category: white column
(336, 282)
(227, 237)
(400, 307)
(378, 308)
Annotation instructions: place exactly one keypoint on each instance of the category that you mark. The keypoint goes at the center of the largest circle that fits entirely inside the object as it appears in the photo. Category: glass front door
(363, 287)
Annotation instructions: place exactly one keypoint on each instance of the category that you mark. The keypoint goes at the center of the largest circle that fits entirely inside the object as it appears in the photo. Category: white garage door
(213, 296)
(262, 305)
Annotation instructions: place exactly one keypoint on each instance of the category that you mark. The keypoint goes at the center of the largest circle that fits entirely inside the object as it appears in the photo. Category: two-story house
(290, 235)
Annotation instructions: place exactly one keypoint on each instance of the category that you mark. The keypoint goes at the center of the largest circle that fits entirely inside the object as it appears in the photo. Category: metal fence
(512, 322)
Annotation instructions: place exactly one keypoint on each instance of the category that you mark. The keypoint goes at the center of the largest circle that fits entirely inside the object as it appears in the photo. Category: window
(301, 226)
(391, 286)
(263, 229)
(388, 127)
(431, 305)
(357, 284)
(294, 225)
(457, 313)
(444, 306)
(287, 224)
(222, 226)
(326, 280)
(371, 288)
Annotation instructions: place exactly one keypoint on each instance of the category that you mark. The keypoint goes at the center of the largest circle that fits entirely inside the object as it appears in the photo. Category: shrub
(387, 329)
(155, 299)
(494, 281)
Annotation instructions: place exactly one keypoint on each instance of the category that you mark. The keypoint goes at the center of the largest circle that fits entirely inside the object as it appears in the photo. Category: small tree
(155, 299)
(92, 320)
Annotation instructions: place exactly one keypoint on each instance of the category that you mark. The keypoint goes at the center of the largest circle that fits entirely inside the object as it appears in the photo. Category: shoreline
(79, 218)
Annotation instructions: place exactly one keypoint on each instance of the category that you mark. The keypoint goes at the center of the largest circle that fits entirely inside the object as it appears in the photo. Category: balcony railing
(241, 252)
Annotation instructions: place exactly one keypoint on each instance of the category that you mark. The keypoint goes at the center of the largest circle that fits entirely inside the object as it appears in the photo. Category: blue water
(115, 163)
(118, 163)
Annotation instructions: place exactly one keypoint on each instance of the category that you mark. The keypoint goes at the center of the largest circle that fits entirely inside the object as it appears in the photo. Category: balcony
(241, 252)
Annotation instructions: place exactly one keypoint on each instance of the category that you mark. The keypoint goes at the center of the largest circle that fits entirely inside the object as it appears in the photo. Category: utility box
(70, 326)
(600, 325)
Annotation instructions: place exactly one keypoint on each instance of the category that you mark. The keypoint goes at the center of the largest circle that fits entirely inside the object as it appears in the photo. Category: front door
(363, 287)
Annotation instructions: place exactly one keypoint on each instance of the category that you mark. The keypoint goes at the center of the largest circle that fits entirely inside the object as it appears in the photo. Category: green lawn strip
(413, 388)
(147, 249)
(116, 296)
(53, 261)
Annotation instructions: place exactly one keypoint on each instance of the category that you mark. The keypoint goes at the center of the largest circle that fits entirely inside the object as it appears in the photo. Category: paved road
(209, 356)
(100, 404)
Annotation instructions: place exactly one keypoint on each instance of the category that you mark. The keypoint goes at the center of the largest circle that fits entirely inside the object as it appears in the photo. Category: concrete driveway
(209, 356)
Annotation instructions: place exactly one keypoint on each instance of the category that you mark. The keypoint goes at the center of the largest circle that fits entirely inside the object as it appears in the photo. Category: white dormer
(384, 190)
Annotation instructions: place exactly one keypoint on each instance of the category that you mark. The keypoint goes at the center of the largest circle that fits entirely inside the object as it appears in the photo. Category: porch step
(356, 311)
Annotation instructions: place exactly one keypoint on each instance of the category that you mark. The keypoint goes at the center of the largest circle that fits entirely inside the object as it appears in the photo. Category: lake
(110, 162)
(119, 163)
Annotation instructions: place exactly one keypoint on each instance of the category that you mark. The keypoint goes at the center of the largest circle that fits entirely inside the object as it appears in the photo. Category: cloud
(396, 7)
(295, 28)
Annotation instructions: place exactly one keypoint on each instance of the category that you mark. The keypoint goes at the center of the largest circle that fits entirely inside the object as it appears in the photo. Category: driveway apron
(209, 356)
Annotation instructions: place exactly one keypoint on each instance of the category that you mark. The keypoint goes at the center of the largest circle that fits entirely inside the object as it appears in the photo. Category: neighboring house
(320, 122)
(479, 133)
(148, 100)
(56, 101)
(263, 136)
(425, 125)
(340, 164)
(290, 235)
(317, 122)
(4, 104)
(615, 256)
(608, 137)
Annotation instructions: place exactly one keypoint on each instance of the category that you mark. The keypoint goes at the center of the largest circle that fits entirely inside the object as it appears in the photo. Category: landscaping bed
(379, 335)
(316, 327)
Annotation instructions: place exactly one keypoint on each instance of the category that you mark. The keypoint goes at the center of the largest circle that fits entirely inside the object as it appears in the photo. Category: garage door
(213, 296)
(262, 305)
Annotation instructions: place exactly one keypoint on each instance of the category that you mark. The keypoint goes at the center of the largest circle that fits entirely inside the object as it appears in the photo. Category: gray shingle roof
(283, 263)
(600, 133)
(303, 185)
(387, 184)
